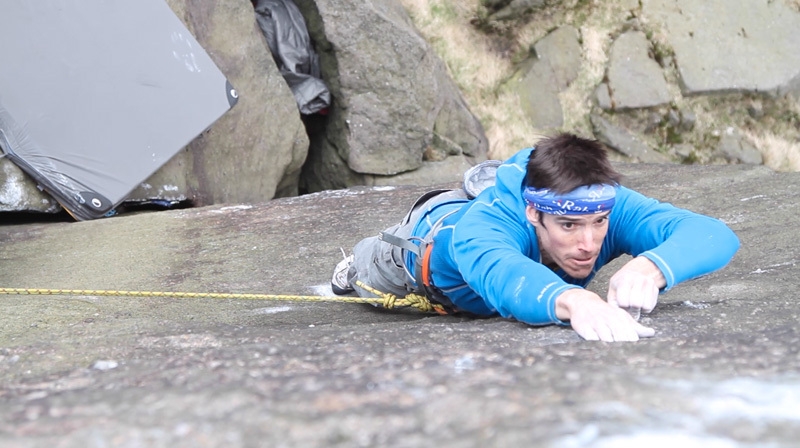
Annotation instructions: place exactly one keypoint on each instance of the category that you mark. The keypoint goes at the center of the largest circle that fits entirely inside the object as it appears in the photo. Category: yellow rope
(387, 300)
(413, 300)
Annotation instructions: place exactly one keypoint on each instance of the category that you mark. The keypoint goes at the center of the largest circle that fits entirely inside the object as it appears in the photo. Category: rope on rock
(386, 300)
(410, 300)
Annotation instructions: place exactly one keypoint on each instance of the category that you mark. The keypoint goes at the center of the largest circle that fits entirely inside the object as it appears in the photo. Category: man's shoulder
(519, 159)
(625, 194)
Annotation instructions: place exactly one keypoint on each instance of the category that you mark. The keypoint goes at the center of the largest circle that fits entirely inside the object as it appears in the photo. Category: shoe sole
(341, 291)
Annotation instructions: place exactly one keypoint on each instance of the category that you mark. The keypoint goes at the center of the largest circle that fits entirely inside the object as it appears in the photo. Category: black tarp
(96, 95)
(287, 36)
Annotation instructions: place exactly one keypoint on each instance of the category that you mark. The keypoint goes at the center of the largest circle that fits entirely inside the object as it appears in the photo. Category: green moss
(673, 136)
(789, 116)
(444, 11)
(691, 159)
(661, 52)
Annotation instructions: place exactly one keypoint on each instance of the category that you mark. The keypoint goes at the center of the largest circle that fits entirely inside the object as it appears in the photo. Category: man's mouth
(584, 261)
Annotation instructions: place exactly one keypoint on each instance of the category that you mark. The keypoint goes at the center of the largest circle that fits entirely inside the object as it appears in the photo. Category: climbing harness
(421, 247)
(388, 301)
(476, 179)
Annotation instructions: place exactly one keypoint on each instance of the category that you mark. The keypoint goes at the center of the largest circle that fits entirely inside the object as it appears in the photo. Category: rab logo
(570, 206)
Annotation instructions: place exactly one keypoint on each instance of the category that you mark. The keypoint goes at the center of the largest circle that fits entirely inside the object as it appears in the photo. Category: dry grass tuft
(779, 153)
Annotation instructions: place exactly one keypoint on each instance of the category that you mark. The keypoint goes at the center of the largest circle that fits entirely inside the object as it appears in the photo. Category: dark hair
(566, 162)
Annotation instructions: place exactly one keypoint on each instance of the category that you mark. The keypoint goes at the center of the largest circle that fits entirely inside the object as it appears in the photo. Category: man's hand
(596, 320)
(635, 286)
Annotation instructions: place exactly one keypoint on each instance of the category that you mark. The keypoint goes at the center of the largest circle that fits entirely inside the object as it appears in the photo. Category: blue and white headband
(584, 200)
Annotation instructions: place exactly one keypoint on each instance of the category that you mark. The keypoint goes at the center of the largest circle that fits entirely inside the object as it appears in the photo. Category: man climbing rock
(527, 245)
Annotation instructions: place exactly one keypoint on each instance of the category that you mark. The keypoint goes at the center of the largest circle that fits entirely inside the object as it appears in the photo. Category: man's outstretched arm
(681, 243)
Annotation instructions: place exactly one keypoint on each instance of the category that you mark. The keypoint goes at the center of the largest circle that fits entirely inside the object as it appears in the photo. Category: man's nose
(586, 240)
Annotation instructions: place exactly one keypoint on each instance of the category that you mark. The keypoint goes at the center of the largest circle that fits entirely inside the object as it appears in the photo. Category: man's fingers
(611, 297)
(599, 320)
(650, 304)
(589, 334)
(623, 295)
(634, 312)
(624, 333)
(644, 332)
(622, 330)
(626, 329)
(625, 326)
(604, 333)
(632, 291)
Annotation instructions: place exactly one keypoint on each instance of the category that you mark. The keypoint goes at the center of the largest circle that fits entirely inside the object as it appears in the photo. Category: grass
(779, 154)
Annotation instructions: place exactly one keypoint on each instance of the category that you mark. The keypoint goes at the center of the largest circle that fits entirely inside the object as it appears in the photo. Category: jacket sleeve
(683, 244)
(492, 251)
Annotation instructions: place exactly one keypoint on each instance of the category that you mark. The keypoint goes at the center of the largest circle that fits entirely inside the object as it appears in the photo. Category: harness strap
(421, 200)
(426, 265)
(422, 248)
(400, 242)
(425, 285)
(422, 271)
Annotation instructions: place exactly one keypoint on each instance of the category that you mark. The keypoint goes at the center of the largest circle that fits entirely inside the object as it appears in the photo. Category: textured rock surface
(91, 370)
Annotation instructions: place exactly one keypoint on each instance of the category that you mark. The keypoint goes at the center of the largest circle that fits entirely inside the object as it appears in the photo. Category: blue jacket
(486, 257)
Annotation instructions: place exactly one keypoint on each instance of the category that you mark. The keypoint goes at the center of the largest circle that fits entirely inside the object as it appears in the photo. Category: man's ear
(530, 213)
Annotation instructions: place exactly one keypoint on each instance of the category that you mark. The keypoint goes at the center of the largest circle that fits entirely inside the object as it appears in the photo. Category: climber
(527, 245)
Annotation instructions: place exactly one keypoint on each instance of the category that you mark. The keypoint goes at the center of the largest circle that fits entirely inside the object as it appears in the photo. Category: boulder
(736, 149)
(393, 100)
(19, 192)
(398, 118)
(634, 79)
(724, 47)
(554, 66)
(624, 142)
(256, 150)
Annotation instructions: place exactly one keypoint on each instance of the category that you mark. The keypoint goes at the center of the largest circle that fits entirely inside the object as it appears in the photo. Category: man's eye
(568, 225)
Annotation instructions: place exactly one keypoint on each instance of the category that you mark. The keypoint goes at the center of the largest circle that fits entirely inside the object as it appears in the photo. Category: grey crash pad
(95, 95)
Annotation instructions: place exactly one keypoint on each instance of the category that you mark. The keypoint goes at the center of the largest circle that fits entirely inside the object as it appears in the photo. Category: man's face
(573, 242)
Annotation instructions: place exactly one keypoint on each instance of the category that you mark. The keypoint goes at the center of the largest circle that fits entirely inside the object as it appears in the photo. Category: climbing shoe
(339, 283)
